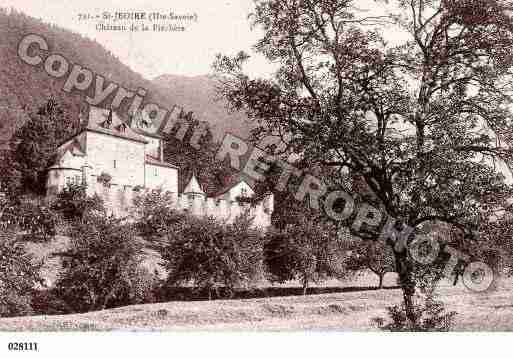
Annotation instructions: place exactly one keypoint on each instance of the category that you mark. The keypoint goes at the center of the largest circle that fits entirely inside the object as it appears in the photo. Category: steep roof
(108, 122)
(193, 186)
(72, 146)
(234, 181)
(154, 161)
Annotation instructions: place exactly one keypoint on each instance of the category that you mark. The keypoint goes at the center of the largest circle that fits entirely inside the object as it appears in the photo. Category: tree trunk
(305, 285)
(405, 270)
(381, 276)
(455, 281)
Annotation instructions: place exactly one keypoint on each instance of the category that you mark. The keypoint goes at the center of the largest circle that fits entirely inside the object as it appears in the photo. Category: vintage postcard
(307, 166)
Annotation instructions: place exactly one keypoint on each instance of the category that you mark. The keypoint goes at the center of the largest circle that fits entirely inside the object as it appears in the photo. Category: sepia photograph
(197, 168)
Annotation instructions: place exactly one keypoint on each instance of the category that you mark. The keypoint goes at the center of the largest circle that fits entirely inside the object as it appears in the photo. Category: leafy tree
(303, 251)
(283, 253)
(154, 212)
(74, 203)
(375, 256)
(197, 158)
(421, 124)
(10, 177)
(102, 267)
(30, 215)
(19, 276)
(33, 145)
(212, 255)
(37, 219)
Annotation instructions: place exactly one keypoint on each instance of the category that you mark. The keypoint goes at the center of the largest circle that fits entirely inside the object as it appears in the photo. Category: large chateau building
(116, 161)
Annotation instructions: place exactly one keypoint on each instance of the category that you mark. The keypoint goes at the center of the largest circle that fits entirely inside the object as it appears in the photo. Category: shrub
(28, 215)
(430, 316)
(102, 267)
(38, 220)
(104, 178)
(47, 302)
(212, 255)
(154, 213)
(74, 203)
(19, 276)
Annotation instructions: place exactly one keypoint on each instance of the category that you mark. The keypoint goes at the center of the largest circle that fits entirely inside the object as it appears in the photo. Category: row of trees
(212, 254)
(103, 265)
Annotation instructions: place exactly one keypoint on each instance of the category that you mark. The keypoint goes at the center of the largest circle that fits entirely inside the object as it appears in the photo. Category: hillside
(23, 87)
(198, 93)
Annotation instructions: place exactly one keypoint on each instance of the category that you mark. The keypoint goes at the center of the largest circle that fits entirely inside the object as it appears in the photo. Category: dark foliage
(37, 219)
(196, 158)
(33, 146)
(154, 213)
(211, 255)
(102, 267)
(376, 256)
(303, 251)
(19, 277)
(429, 316)
(74, 203)
(30, 216)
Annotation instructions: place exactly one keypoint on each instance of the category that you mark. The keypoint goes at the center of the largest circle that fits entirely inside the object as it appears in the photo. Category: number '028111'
(22, 346)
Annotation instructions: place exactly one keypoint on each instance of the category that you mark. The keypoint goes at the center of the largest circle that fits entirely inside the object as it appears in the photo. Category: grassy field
(351, 311)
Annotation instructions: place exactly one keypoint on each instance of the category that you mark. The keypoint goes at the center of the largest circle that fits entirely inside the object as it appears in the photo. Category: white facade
(161, 176)
(111, 149)
(122, 159)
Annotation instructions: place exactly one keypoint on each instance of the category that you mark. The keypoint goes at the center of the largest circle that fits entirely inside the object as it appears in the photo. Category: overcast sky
(222, 27)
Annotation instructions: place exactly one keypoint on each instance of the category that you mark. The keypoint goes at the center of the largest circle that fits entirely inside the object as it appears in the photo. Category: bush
(212, 255)
(31, 216)
(430, 316)
(102, 267)
(38, 220)
(19, 277)
(104, 178)
(47, 302)
(74, 203)
(154, 213)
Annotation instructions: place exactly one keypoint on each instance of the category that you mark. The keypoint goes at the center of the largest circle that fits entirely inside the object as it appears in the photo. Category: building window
(155, 172)
(243, 192)
(78, 179)
(68, 181)
(114, 163)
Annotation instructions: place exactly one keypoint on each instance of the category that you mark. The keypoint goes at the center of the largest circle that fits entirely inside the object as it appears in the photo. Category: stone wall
(119, 200)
